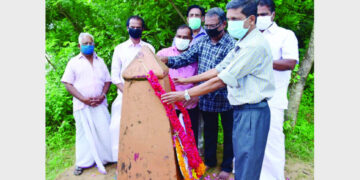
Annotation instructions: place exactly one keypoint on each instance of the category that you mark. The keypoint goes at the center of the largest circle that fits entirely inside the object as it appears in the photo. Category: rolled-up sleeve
(290, 48)
(116, 67)
(69, 74)
(242, 64)
(106, 72)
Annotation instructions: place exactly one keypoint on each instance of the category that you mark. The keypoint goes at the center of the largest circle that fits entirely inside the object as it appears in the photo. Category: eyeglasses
(212, 26)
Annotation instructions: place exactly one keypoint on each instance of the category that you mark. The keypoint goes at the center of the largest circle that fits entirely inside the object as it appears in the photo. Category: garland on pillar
(191, 165)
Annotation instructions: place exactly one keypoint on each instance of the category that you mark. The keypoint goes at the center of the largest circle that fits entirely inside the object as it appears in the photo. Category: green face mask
(194, 23)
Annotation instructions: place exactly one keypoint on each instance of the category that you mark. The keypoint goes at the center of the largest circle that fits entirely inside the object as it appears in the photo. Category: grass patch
(60, 153)
(299, 141)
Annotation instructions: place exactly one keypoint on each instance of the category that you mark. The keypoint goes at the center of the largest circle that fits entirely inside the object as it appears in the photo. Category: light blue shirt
(247, 70)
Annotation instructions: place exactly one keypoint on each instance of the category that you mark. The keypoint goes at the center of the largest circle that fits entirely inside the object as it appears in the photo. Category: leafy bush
(65, 19)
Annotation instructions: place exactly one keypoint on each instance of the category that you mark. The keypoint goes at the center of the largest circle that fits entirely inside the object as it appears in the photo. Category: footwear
(78, 171)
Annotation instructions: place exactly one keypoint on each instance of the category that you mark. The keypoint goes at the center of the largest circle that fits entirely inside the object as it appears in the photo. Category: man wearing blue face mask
(124, 53)
(87, 78)
(209, 51)
(247, 72)
(284, 47)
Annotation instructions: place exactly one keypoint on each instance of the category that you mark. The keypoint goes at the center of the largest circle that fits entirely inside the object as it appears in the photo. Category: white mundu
(284, 45)
(92, 123)
(124, 53)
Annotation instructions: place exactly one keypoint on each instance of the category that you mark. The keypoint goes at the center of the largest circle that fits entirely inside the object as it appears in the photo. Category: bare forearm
(106, 88)
(206, 87)
(73, 91)
(284, 64)
(202, 77)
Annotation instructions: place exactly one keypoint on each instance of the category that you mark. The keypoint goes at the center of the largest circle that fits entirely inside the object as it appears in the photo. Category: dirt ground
(294, 170)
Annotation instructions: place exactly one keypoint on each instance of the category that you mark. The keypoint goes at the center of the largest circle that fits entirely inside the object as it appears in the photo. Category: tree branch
(48, 60)
(178, 11)
(297, 89)
(64, 13)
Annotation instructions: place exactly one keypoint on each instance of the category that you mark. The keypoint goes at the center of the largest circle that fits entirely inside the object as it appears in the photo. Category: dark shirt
(208, 55)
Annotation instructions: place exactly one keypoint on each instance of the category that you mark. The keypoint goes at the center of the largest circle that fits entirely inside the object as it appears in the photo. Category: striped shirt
(248, 70)
(208, 55)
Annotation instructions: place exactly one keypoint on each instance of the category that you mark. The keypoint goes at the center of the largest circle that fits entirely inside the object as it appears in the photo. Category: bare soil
(295, 169)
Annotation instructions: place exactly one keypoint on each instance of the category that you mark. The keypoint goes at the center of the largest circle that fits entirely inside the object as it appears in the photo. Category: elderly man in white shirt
(87, 78)
(284, 48)
(124, 53)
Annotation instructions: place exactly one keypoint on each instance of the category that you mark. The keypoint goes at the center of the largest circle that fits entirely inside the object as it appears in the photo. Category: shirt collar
(201, 32)
(129, 43)
(95, 56)
(273, 28)
(249, 37)
(224, 39)
(173, 48)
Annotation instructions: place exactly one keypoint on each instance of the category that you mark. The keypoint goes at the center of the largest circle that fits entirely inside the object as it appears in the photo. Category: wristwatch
(186, 95)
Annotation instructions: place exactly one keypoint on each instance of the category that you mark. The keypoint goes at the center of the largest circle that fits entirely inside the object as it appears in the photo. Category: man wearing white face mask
(284, 48)
(247, 73)
(182, 41)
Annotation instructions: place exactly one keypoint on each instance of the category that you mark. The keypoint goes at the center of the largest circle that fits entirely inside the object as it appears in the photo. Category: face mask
(87, 49)
(263, 22)
(135, 33)
(182, 44)
(194, 23)
(236, 29)
(213, 32)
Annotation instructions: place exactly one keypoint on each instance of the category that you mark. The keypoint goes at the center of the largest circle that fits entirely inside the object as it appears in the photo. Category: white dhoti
(115, 126)
(274, 158)
(93, 137)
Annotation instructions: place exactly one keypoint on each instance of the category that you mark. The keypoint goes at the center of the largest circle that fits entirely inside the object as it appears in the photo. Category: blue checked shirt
(248, 70)
(207, 55)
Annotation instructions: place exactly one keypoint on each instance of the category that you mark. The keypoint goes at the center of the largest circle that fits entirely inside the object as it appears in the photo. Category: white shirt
(284, 45)
(123, 55)
(88, 79)
(247, 70)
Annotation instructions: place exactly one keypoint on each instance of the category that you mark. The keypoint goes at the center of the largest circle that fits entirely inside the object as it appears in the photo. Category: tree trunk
(297, 89)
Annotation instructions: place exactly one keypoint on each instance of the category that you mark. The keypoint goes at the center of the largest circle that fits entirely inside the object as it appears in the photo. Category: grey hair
(83, 34)
(249, 7)
(217, 11)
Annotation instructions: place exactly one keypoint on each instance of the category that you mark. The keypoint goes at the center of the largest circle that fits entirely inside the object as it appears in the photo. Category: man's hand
(87, 101)
(180, 81)
(97, 100)
(191, 102)
(172, 97)
(164, 59)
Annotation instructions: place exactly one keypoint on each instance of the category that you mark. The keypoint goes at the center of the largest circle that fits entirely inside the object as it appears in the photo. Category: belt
(260, 104)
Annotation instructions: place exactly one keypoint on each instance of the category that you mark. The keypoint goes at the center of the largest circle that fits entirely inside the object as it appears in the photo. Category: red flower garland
(187, 139)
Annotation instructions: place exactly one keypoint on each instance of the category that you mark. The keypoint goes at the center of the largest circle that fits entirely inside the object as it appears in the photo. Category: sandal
(78, 171)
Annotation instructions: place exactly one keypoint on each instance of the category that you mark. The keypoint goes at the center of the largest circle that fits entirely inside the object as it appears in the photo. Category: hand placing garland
(187, 139)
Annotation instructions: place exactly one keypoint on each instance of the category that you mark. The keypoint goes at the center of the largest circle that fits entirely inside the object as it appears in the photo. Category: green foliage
(106, 20)
(60, 154)
(299, 141)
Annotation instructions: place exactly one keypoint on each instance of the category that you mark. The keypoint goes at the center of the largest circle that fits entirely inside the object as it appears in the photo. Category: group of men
(240, 75)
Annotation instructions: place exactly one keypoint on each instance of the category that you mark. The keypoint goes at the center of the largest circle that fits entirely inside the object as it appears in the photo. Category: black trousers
(211, 138)
(194, 117)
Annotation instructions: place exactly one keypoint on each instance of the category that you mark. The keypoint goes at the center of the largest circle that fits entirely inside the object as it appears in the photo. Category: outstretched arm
(198, 78)
(205, 88)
